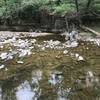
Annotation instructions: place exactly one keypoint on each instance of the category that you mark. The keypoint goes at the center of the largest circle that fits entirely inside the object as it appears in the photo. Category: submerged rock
(80, 58)
(23, 43)
(2, 66)
(23, 52)
(65, 52)
(12, 40)
(72, 44)
(76, 55)
(52, 44)
(3, 55)
(20, 62)
(6, 69)
(43, 48)
(1, 46)
(94, 40)
(10, 56)
(33, 41)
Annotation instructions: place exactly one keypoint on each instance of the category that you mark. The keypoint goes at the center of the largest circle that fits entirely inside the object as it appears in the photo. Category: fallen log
(90, 30)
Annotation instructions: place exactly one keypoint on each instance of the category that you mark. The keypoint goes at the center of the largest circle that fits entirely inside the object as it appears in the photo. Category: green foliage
(64, 9)
(28, 8)
(96, 5)
(8, 8)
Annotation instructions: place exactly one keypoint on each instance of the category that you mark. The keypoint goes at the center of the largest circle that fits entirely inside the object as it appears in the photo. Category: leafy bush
(28, 8)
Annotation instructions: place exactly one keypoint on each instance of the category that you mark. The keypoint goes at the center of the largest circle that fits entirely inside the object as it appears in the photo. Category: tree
(76, 3)
(88, 4)
(23, 9)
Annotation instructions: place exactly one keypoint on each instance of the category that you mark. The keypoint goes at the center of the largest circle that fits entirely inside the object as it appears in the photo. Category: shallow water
(50, 72)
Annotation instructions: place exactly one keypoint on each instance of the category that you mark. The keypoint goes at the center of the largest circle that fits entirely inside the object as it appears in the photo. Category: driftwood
(90, 30)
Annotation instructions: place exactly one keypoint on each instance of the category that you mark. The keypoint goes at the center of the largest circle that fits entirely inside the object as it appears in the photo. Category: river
(46, 68)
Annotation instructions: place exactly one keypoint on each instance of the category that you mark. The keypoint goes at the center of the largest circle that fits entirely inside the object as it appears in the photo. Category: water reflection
(30, 91)
(63, 93)
(91, 80)
(24, 92)
(55, 77)
(71, 81)
(36, 76)
(22, 88)
(0, 93)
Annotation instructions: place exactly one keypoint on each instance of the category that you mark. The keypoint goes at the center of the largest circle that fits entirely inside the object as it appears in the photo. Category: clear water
(50, 74)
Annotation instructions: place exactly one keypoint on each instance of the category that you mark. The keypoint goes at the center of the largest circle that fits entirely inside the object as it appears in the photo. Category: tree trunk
(76, 4)
(67, 25)
(88, 4)
(90, 30)
(78, 15)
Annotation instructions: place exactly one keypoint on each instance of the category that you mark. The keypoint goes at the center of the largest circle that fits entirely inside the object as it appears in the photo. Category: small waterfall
(72, 38)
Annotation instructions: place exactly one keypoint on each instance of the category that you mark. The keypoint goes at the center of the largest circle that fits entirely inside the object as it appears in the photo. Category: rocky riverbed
(48, 67)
